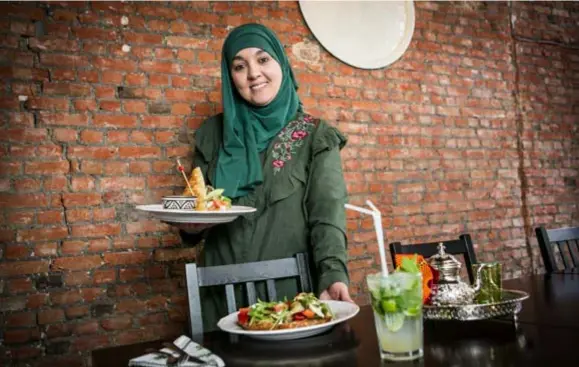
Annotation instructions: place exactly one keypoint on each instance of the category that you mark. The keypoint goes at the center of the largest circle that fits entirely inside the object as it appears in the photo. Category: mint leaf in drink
(410, 265)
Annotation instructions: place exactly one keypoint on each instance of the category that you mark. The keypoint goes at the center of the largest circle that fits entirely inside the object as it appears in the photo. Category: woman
(268, 154)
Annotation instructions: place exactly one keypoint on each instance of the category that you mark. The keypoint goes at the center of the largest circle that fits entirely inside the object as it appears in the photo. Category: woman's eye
(238, 67)
(263, 60)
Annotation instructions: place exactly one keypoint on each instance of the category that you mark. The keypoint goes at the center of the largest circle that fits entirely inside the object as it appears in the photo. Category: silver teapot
(450, 289)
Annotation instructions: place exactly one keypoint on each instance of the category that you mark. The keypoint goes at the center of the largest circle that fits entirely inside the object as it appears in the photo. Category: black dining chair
(462, 246)
(246, 274)
(567, 242)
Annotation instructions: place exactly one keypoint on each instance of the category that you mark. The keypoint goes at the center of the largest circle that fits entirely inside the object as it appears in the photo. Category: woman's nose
(253, 72)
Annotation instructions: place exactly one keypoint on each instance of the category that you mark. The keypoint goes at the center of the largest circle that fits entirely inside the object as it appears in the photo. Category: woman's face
(256, 75)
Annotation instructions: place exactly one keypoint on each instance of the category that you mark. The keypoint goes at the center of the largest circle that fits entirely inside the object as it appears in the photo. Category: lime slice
(388, 305)
(412, 311)
(394, 321)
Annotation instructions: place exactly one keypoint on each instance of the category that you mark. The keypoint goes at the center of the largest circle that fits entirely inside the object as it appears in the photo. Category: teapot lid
(442, 260)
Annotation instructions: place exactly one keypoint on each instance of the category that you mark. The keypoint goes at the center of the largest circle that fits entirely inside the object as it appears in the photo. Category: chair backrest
(246, 273)
(462, 246)
(567, 242)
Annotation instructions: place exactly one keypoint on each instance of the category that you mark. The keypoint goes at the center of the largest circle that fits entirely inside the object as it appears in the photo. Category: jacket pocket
(288, 184)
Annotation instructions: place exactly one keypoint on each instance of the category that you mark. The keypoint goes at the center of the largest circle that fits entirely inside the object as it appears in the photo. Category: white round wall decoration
(363, 34)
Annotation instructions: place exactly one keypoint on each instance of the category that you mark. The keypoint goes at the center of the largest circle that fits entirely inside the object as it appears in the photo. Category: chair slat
(271, 292)
(230, 294)
(574, 251)
(251, 295)
(562, 246)
(565, 239)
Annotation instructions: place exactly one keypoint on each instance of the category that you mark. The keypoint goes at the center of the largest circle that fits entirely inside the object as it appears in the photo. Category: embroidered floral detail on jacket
(290, 138)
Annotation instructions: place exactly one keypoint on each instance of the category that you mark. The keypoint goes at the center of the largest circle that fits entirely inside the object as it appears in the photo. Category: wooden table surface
(548, 333)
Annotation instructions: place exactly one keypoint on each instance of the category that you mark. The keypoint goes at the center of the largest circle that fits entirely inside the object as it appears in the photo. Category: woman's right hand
(191, 228)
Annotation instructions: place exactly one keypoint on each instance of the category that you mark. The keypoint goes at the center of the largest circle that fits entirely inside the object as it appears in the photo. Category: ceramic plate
(342, 310)
(191, 216)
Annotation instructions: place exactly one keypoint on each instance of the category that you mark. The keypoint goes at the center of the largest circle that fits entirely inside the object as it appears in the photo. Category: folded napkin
(196, 352)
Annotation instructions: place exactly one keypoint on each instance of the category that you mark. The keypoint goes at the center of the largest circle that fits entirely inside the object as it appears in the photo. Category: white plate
(342, 311)
(363, 34)
(192, 216)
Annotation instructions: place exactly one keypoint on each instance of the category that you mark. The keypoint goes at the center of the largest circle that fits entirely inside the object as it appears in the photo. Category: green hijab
(248, 129)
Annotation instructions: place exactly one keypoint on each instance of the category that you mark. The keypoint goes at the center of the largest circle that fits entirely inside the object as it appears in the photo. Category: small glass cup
(397, 305)
(491, 281)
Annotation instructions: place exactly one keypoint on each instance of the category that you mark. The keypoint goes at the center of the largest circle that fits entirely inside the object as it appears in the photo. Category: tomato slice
(299, 316)
(243, 315)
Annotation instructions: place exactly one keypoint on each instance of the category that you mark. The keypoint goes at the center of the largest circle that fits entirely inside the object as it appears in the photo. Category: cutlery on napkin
(183, 352)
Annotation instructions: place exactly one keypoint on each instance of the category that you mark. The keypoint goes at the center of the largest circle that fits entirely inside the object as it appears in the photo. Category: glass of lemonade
(397, 305)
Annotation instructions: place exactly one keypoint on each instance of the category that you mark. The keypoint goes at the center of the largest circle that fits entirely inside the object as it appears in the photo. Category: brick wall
(473, 130)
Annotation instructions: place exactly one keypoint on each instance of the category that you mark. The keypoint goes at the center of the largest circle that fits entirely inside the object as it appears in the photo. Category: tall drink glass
(397, 305)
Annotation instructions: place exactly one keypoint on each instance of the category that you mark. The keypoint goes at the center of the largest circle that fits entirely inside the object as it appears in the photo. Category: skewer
(182, 170)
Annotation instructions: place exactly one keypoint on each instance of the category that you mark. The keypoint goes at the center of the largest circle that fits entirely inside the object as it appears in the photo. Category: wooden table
(548, 333)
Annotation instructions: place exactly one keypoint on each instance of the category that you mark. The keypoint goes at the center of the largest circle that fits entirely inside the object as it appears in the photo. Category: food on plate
(208, 198)
(304, 310)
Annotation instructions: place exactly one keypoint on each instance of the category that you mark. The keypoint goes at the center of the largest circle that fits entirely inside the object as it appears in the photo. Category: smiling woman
(257, 76)
(267, 153)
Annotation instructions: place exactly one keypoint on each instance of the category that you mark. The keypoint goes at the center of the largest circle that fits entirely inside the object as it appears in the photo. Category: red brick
(185, 95)
(134, 106)
(139, 152)
(81, 199)
(136, 38)
(120, 121)
(36, 300)
(27, 184)
(116, 323)
(46, 249)
(73, 247)
(63, 119)
(20, 285)
(21, 217)
(123, 183)
(77, 263)
(85, 328)
(50, 217)
(136, 79)
(141, 137)
(46, 103)
(18, 336)
(76, 312)
(66, 89)
(91, 294)
(21, 319)
(50, 316)
(139, 167)
(46, 168)
(175, 254)
(49, 150)
(104, 276)
(86, 343)
(64, 135)
(158, 80)
(83, 183)
(112, 77)
(16, 251)
(24, 135)
(91, 152)
(114, 64)
(65, 298)
(91, 137)
(54, 233)
(124, 258)
(100, 245)
(161, 121)
(160, 67)
(96, 230)
(61, 60)
(78, 215)
(77, 278)
(54, 183)
(116, 168)
(118, 137)
(111, 106)
(53, 44)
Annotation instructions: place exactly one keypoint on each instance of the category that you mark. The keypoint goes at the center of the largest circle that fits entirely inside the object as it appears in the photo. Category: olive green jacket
(300, 208)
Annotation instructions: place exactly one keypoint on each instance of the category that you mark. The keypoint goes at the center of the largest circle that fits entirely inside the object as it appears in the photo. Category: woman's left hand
(338, 291)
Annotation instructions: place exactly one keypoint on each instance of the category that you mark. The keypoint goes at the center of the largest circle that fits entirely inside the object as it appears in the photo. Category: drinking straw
(377, 216)
(182, 170)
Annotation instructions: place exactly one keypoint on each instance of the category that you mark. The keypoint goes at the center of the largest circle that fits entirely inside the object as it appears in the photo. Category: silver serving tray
(511, 304)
